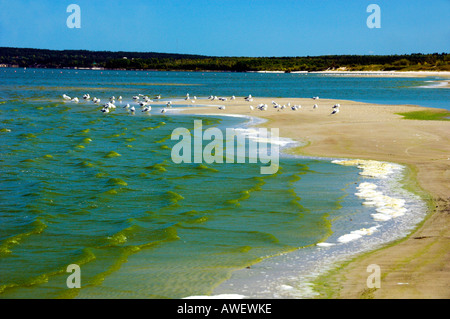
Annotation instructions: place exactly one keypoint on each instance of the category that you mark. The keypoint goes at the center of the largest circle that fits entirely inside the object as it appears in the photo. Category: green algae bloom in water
(112, 154)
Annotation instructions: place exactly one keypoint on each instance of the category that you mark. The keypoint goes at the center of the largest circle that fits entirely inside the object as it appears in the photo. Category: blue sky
(230, 27)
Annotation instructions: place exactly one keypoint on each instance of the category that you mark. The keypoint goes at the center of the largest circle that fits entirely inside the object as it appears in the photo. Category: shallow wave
(434, 84)
(38, 226)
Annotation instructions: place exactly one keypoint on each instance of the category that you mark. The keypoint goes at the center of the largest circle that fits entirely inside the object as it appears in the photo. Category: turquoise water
(101, 191)
(383, 90)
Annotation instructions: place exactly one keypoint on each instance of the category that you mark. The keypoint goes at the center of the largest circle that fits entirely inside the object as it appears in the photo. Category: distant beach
(385, 73)
(445, 74)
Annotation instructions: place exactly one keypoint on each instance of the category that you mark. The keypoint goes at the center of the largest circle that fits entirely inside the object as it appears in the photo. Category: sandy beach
(444, 74)
(415, 267)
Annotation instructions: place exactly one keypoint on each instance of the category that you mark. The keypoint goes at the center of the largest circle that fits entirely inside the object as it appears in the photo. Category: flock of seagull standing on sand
(143, 102)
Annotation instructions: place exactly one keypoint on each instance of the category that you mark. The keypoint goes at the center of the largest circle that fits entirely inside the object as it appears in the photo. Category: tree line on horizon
(42, 58)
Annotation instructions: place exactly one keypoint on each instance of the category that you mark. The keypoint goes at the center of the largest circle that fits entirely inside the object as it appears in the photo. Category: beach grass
(427, 115)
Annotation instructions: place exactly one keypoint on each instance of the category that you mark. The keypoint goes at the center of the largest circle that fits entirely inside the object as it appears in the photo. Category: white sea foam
(254, 134)
(325, 244)
(371, 168)
(386, 207)
(356, 234)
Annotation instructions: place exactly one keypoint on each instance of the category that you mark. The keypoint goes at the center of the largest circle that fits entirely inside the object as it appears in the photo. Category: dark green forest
(40, 58)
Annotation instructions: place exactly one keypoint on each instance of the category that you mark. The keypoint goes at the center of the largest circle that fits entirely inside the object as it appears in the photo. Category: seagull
(106, 108)
(187, 96)
(86, 96)
(251, 107)
(126, 106)
(262, 107)
(75, 99)
(169, 104)
(233, 98)
(66, 97)
(132, 109)
(315, 106)
(147, 109)
(222, 107)
(336, 110)
(163, 111)
(107, 105)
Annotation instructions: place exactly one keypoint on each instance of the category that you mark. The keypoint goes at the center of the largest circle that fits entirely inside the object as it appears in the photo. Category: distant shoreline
(386, 73)
(330, 72)
(321, 64)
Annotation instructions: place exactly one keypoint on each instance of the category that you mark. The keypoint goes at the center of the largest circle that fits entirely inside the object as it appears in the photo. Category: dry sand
(445, 74)
(416, 267)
